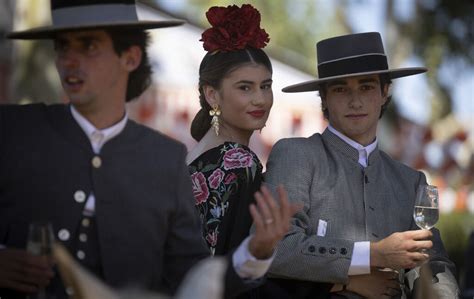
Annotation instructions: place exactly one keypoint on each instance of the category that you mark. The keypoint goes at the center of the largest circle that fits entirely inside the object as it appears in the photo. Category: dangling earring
(215, 112)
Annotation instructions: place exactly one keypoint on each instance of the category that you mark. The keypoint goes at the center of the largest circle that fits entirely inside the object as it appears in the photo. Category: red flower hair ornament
(233, 28)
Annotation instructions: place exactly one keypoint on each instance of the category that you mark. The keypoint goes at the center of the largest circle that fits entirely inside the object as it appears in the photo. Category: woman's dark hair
(140, 78)
(384, 80)
(214, 67)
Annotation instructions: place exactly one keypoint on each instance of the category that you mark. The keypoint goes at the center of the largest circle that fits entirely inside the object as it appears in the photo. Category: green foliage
(294, 26)
(455, 229)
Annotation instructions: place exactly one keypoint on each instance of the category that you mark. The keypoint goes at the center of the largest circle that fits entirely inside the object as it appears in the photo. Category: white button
(63, 234)
(85, 222)
(69, 291)
(79, 196)
(80, 254)
(96, 161)
(97, 137)
(83, 237)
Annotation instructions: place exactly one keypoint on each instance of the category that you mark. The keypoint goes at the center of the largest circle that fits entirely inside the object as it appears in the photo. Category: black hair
(384, 80)
(140, 78)
(214, 67)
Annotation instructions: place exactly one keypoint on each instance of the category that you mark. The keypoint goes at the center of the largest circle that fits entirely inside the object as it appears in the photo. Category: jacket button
(96, 162)
(85, 222)
(332, 250)
(81, 254)
(79, 196)
(63, 234)
(343, 251)
(83, 237)
(322, 250)
(311, 248)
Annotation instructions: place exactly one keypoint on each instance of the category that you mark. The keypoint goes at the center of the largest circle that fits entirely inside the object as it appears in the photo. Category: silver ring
(269, 221)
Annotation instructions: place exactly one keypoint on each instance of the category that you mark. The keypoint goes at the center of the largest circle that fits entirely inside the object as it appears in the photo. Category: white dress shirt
(360, 261)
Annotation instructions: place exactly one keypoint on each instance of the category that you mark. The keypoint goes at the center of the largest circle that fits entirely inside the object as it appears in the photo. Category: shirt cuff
(360, 262)
(246, 265)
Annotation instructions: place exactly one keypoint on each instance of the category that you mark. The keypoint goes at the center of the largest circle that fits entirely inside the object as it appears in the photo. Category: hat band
(94, 14)
(359, 64)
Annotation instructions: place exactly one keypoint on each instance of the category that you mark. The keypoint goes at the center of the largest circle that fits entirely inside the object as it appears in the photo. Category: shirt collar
(364, 151)
(91, 131)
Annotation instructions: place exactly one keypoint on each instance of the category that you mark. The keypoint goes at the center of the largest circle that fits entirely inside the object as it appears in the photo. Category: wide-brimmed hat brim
(49, 32)
(314, 85)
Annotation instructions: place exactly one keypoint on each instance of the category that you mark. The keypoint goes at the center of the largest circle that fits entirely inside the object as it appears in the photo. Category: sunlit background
(430, 123)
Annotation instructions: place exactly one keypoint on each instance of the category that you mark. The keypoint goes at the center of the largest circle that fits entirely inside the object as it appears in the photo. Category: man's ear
(131, 58)
(323, 103)
(211, 94)
(387, 89)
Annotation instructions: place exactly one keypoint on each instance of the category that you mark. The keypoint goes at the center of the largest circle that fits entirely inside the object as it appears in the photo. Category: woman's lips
(257, 113)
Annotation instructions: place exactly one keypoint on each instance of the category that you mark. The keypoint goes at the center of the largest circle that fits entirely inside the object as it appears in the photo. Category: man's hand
(24, 272)
(271, 220)
(401, 250)
(377, 284)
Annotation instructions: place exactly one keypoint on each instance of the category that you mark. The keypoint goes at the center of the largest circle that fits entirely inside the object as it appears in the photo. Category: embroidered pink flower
(211, 238)
(237, 158)
(200, 190)
(216, 178)
(230, 178)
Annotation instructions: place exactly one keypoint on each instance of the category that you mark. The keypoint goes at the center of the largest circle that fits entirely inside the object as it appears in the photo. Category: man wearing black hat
(358, 202)
(117, 194)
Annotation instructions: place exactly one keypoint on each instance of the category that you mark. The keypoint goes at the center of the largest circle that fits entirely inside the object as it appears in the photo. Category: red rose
(215, 178)
(237, 158)
(200, 190)
(234, 28)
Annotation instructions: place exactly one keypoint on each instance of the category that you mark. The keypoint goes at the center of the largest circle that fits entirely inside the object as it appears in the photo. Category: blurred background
(430, 123)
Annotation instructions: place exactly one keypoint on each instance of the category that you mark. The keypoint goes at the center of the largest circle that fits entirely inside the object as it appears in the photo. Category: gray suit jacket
(357, 204)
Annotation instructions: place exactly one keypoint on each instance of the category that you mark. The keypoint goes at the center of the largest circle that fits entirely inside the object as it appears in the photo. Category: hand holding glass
(40, 242)
(40, 238)
(426, 206)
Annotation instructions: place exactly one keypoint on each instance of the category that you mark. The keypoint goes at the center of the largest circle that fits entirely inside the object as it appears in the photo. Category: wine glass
(40, 242)
(426, 206)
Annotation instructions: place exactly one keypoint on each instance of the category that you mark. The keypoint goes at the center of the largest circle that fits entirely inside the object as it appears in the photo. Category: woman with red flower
(235, 87)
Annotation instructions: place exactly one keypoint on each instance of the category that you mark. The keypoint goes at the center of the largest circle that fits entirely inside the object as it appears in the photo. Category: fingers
(18, 286)
(421, 234)
(264, 206)
(23, 271)
(419, 245)
(257, 218)
(274, 209)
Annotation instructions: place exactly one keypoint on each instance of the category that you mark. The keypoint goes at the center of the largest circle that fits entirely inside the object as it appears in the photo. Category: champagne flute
(426, 212)
(40, 242)
(426, 206)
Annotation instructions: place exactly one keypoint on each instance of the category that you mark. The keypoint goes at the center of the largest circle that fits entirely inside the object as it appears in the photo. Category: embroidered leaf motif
(209, 167)
(226, 196)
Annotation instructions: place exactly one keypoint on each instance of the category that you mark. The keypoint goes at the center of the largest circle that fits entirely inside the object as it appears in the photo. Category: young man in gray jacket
(358, 202)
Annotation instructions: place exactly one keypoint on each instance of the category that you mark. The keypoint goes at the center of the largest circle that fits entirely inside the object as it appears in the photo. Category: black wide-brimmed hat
(73, 15)
(351, 55)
